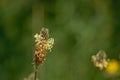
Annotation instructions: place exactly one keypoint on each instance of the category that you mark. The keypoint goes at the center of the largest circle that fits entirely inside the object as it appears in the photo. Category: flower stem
(35, 77)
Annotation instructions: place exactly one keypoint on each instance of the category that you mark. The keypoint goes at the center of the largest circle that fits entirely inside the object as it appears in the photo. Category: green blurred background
(80, 28)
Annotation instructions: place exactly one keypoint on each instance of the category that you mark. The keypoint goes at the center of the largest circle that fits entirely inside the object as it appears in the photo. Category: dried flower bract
(99, 60)
(43, 45)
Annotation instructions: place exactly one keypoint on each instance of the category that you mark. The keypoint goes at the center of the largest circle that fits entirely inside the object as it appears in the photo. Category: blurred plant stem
(36, 70)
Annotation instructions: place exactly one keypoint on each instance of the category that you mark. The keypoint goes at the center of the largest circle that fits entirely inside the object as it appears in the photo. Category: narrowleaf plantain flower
(99, 60)
(42, 46)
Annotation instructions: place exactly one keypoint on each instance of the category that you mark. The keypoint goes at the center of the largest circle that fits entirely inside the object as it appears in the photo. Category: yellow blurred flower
(112, 67)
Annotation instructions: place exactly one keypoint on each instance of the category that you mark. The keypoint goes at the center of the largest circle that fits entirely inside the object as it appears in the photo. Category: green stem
(35, 77)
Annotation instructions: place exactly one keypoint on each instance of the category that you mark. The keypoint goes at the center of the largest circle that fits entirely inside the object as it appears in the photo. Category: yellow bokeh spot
(112, 67)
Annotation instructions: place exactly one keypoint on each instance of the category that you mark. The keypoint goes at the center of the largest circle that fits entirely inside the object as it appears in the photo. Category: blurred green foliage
(80, 28)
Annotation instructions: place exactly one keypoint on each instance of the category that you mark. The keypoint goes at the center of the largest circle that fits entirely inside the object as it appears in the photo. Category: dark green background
(80, 28)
